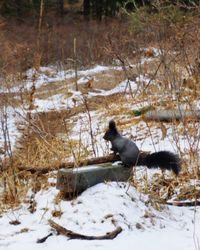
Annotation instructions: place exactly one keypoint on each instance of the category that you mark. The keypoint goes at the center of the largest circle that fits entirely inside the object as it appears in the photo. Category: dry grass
(56, 43)
(174, 73)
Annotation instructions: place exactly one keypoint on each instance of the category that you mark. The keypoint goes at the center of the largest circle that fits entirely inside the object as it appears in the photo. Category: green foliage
(171, 14)
(11, 8)
(141, 111)
(72, 1)
(149, 16)
(169, 11)
(24, 7)
(17, 8)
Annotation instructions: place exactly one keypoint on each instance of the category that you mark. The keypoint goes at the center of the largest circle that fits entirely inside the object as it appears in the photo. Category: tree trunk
(86, 9)
(99, 9)
(18, 5)
(60, 5)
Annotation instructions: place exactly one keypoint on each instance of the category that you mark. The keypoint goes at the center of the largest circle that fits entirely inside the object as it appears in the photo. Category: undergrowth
(173, 71)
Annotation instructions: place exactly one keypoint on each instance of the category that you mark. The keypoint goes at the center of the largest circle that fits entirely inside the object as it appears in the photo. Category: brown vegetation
(175, 71)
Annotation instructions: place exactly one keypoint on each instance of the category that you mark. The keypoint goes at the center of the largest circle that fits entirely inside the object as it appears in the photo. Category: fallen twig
(73, 235)
(42, 240)
(184, 203)
(56, 166)
(91, 161)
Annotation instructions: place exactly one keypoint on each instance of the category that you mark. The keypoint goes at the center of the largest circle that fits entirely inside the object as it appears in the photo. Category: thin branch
(90, 124)
(91, 161)
(73, 235)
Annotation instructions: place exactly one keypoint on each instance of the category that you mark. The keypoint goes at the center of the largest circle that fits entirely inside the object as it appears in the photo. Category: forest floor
(48, 121)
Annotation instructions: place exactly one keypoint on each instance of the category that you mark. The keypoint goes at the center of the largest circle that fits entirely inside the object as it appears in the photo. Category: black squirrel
(130, 154)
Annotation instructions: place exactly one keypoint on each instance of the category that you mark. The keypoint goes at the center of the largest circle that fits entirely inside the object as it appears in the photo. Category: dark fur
(130, 154)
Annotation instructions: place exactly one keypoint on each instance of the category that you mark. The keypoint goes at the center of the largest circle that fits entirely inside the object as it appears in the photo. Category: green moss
(141, 111)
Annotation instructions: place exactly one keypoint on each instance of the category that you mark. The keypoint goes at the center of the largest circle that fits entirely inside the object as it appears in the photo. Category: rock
(75, 180)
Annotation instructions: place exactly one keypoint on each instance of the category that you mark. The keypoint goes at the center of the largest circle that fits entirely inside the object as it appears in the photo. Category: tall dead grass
(175, 71)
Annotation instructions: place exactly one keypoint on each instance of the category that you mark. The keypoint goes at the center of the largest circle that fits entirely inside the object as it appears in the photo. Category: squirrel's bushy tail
(162, 159)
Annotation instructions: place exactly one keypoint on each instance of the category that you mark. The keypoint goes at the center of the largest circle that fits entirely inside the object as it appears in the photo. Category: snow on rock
(96, 211)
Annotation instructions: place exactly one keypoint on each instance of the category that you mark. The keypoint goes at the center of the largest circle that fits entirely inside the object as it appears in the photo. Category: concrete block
(76, 180)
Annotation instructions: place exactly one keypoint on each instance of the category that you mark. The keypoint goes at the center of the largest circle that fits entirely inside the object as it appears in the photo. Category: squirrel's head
(112, 131)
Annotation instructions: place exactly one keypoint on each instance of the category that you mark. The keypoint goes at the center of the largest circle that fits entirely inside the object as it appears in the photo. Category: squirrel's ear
(112, 124)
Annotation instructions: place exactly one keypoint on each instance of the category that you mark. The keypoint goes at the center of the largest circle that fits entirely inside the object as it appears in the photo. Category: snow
(55, 102)
(59, 101)
(9, 118)
(96, 211)
(47, 75)
(82, 131)
(118, 89)
(107, 205)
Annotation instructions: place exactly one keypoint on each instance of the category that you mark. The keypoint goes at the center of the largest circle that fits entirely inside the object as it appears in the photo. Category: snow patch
(96, 211)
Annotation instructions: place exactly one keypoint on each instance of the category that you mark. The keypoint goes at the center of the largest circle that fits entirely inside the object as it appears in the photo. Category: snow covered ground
(10, 118)
(107, 205)
(98, 210)
(48, 75)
